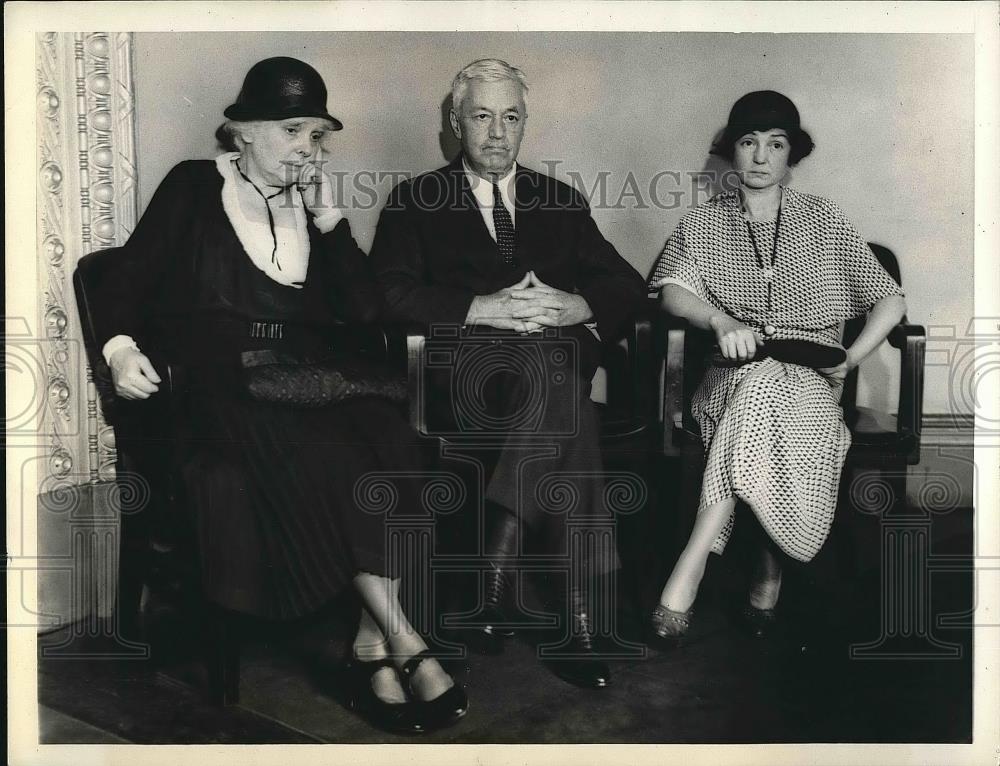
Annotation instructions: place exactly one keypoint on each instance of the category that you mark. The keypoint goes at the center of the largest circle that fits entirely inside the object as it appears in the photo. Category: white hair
(230, 134)
(484, 70)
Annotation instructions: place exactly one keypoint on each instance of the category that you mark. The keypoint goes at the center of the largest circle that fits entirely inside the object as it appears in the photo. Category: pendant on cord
(767, 269)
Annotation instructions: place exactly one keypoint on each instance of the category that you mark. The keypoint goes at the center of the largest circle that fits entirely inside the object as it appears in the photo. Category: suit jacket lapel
(528, 204)
(472, 227)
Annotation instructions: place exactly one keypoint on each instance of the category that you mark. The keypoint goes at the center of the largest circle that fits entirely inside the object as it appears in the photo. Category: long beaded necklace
(270, 215)
(767, 270)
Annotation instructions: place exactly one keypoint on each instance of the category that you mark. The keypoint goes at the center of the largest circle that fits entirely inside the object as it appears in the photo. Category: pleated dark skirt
(281, 497)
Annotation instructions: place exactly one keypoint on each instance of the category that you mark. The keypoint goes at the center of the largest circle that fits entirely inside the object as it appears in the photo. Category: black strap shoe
(445, 709)
(395, 717)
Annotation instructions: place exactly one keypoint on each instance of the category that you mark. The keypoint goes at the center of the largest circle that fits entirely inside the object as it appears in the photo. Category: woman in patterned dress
(765, 262)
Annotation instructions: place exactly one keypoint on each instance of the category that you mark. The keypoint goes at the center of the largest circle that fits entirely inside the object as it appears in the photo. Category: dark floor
(723, 687)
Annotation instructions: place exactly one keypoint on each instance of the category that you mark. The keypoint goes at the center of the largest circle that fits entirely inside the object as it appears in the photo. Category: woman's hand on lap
(735, 339)
(133, 374)
(835, 375)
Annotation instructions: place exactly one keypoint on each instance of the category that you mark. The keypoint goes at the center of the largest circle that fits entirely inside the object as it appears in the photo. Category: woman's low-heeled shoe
(443, 710)
(396, 717)
(670, 626)
(760, 623)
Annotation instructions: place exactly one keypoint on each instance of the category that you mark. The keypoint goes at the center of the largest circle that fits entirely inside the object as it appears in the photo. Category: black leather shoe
(493, 614)
(443, 710)
(581, 667)
(759, 623)
(395, 717)
(489, 636)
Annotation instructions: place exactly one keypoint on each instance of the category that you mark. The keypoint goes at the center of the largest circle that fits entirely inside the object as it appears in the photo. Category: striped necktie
(504, 227)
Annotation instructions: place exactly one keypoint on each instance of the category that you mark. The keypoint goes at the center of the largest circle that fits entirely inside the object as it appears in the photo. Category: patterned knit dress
(774, 432)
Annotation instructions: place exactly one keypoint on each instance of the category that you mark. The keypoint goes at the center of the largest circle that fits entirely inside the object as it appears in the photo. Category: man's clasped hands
(529, 306)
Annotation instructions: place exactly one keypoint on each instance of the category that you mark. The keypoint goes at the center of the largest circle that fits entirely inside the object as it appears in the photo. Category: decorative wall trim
(86, 195)
(61, 421)
(87, 201)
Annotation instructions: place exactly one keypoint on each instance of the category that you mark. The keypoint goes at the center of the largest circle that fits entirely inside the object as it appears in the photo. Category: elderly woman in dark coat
(247, 253)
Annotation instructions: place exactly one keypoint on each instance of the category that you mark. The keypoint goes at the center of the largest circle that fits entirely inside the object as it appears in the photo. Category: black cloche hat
(763, 110)
(279, 88)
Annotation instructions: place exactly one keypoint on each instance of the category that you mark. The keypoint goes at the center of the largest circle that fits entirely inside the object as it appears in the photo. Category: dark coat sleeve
(355, 293)
(613, 289)
(399, 259)
(150, 252)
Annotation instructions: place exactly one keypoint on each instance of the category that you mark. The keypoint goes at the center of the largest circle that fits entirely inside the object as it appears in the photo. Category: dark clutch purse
(802, 352)
(316, 381)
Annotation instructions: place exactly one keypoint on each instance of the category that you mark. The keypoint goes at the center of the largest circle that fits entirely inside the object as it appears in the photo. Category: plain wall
(891, 115)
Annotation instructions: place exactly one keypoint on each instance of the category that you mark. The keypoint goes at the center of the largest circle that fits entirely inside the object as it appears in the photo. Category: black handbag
(803, 352)
(316, 381)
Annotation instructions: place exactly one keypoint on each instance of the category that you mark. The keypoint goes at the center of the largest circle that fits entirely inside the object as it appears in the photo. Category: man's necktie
(504, 227)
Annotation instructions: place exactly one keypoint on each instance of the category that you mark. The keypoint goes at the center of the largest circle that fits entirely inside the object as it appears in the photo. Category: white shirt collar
(482, 189)
(255, 236)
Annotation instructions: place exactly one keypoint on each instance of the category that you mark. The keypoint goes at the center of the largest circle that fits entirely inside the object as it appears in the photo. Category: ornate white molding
(86, 202)
(60, 421)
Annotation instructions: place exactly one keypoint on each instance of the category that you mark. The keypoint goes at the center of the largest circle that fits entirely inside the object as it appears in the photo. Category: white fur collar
(255, 236)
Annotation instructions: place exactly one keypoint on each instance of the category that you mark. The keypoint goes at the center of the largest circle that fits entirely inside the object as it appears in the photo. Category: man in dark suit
(508, 257)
